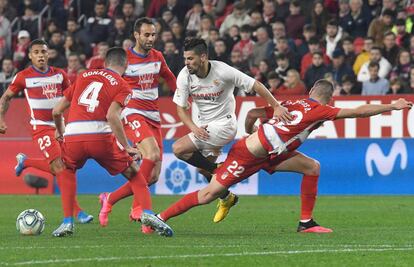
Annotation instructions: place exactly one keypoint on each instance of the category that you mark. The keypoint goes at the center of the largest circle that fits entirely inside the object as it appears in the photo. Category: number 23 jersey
(91, 96)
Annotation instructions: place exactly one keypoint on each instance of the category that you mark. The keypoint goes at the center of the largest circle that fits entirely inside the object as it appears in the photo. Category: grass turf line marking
(258, 253)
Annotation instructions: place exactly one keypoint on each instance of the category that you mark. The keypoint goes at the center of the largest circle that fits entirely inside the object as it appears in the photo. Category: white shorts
(221, 133)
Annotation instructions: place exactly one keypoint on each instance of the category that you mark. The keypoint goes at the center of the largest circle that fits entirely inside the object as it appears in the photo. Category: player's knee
(57, 166)
(177, 150)
(153, 180)
(314, 168)
(153, 155)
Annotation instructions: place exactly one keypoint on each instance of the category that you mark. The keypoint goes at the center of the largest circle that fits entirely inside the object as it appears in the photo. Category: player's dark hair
(323, 88)
(139, 22)
(116, 56)
(198, 45)
(37, 42)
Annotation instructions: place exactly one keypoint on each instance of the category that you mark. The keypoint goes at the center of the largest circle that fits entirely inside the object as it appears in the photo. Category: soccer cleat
(148, 218)
(84, 217)
(312, 227)
(106, 208)
(146, 230)
(20, 158)
(65, 229)
(224, 206)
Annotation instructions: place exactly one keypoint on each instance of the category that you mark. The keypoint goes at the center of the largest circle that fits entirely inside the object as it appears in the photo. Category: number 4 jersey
(91, 96)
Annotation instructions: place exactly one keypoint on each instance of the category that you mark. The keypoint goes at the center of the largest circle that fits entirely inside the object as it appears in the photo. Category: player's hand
(133, 152)
(58, 136)
(402, 104)
(282, 114)
(188, 105)
(201, 133)
(3, 127)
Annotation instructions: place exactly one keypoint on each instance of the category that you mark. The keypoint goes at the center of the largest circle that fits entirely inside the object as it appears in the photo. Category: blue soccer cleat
(65, 229)
(20, 158)
(148, 218)
(84, 217)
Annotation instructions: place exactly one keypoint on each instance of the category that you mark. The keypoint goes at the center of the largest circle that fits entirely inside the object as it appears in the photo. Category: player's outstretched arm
(113, 116)
(280, 113)
(369, 110)
(252, 117)
(57, 113)
(4, 106)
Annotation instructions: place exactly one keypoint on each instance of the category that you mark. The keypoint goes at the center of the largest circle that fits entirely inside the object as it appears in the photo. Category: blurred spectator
(380, 26)
(308, 33)
(315, 71)
(238, 17)
(262, 72)
(339, 68)
(374, 8)
(364, 55)
(344, 11)
(71, 46)
(349, 86)
(177, 30)
(7, 10)
(56, 41)
(237, 61)
(263, 47)
(256, 21)
(213, 37)
(178, 10)
(119, 33)
(375, 85)
(402, 15)
(319, 17)
(172, 57)
(168, 18)
(205, 25)
(214, 7)
(192, 20)
(74, 65)
(114, 8)
(128, 9)
(349, 50)
(97, 62)
(401, 70)
(29, 22)
(279, 31)
(357, 21)
(333, 36)
(166, 36)
(4, 35)
(398, 87)
(411, 86)
(7, 74)
(295, 21)
(283, 47)
(245, 45)
(232, 37)
(51, 27)
(269, 12)
(292, 85)
(56, 59)
(375, 57)
(20, 52)
(274, 81)
(154, 8)
(403, 37)
(220, 51)
(98, 27)
(389, 4)
(283, 65)
(80, 38)
(282, 10)
(127, 44)
(391, 49)
(313, 46)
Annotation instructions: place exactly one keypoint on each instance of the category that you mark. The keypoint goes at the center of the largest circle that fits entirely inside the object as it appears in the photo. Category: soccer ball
(30, 222)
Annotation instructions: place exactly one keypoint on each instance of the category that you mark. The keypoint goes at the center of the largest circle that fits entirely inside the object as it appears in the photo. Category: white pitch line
(258, 253)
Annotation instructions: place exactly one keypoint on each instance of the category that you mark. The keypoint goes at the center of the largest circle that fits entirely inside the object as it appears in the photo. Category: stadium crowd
(363, 47)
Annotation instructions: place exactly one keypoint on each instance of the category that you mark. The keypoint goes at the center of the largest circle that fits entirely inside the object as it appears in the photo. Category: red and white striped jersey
(142, 75)
(308, 115)
(43, 90)
(91, 95)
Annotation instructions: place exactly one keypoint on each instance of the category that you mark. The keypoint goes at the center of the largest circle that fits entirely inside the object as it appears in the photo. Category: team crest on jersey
(216, 82)
(50, 90)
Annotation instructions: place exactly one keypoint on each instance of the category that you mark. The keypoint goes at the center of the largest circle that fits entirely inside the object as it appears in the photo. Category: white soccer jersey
(213, 95)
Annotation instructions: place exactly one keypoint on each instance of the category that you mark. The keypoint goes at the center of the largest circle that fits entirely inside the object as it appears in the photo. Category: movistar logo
(385, 163)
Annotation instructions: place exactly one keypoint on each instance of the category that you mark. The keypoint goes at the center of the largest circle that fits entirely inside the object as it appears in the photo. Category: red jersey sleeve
(124, 95)
(66, 81)
(68, 93)
(269, 112)
(17, 84)
(167, 74)
(328, 112)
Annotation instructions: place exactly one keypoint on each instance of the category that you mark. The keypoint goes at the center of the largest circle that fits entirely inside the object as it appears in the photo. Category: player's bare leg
(310, 168)
(185, 149)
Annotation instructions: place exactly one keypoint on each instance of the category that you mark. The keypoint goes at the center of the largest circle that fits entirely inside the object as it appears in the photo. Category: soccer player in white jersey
(211, 85)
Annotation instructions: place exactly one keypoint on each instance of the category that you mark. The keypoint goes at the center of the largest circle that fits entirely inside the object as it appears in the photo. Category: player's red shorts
(44, 136)
(239, 165)
(137, 128)
(108, 153)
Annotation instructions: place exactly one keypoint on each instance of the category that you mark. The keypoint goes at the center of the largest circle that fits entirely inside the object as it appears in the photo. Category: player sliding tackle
(94, 130)
(211, 84)
(273, 148)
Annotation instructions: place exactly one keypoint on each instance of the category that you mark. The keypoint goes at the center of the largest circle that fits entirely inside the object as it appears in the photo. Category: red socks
(309, 190)
(142, 196)
(146, 168)
(124, 191)
(66, 180)
(40, 164)
(187, 202)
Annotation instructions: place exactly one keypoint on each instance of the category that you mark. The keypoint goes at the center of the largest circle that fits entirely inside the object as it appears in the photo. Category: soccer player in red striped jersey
(273, 148)
(141, 117)
(43, 86)
(94, 131)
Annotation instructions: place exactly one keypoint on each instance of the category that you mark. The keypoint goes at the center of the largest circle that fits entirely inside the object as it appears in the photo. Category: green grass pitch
(260, 231)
